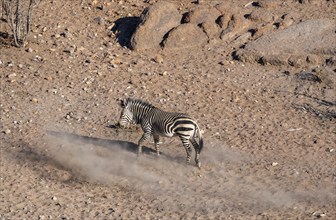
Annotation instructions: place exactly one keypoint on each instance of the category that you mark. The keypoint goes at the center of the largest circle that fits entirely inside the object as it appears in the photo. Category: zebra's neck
(140, 111)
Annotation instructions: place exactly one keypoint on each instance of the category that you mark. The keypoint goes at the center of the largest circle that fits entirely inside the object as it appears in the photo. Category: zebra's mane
(139, 102)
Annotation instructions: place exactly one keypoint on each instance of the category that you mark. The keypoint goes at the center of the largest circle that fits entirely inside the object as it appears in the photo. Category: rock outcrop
(299, 45)
(156, 21)
(184, 36)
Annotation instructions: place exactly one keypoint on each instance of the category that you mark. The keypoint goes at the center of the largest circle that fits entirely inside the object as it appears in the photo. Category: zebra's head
(126, 116)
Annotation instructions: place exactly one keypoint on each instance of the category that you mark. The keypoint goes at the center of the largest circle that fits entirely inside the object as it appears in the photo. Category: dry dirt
(269, 135)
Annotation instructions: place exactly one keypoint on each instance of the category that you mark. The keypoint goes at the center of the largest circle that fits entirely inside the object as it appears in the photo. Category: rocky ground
(268, 118)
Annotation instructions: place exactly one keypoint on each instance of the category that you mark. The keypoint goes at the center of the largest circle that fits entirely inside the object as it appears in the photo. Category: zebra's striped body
(158, 123)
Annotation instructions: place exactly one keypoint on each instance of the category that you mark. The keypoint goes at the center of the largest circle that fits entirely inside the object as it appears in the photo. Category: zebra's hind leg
(157, 143)
(197, 152)
(186, 145)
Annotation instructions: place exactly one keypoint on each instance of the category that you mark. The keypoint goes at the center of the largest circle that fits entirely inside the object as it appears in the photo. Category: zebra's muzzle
(117, 125)
(121, 125)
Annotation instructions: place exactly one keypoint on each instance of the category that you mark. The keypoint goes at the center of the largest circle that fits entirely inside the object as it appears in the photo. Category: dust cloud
(224, 183)
(98, 159)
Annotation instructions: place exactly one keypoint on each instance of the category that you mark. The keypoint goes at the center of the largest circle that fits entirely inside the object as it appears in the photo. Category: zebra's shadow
(107, 143)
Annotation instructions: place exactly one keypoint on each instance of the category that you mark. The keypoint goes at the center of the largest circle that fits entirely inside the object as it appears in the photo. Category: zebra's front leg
(186, 145)
(157, 143)
(142, 139)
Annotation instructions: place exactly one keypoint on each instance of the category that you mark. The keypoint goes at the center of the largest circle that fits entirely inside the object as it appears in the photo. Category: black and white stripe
(158, 123)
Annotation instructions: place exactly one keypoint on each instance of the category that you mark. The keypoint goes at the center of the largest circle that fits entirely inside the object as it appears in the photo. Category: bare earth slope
(269, 130)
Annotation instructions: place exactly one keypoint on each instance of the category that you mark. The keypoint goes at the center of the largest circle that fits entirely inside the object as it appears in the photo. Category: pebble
(66, 34)
(37, 58)
(296, 172)
(49, 78)
(318, 214)
(29, 50)
(287, 21)
(7, 131)
(99, 20)
(165, 73)
(274, 164)
(70, 50)
(54, 198)
(158, 58)
(116, 61)
(52, 91)
(12, 75)
(330, 150)
(34, 100)
(262, 216)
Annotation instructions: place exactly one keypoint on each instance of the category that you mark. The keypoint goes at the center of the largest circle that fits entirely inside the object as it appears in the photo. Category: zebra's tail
(200, 139)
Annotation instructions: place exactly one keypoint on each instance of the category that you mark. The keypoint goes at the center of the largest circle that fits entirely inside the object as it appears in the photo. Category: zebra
(156, 122)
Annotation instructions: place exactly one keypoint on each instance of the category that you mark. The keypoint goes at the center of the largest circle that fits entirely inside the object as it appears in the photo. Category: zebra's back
(172, 123)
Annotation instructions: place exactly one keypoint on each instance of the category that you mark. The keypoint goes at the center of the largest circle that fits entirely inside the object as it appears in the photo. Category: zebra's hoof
(198, 164)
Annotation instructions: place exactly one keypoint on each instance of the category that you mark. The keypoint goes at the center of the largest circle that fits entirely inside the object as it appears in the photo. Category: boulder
(235, 26)
(271, 4)
(231, 21)
(211, 29)
(286, 21)
(299, 45)
(227, 7)
(224, 20)
(261, 15)
(185, 36)
(156, 21)
(201, 14)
